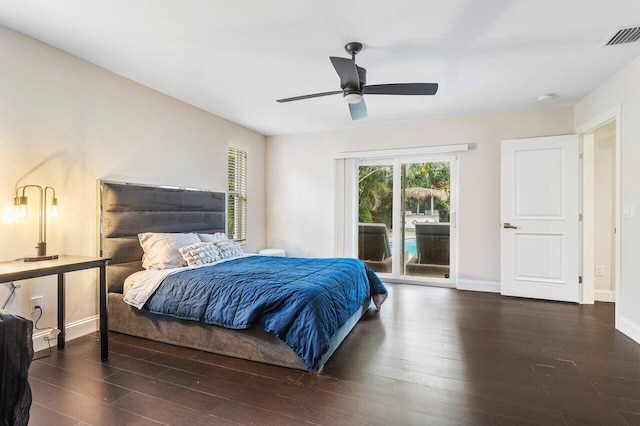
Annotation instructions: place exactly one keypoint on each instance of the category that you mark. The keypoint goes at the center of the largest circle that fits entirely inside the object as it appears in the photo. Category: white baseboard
(629, 328)
(478, 285)
(73, 329)
(604, 296)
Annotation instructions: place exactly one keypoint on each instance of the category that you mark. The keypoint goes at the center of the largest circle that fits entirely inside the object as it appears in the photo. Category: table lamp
(21, 211)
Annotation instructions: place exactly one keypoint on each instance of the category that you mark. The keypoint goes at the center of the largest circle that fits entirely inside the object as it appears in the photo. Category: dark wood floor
(432, 356)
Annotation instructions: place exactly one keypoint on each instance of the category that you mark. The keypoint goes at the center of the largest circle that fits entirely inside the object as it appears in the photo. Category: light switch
(625, 211)
(600, 270)
(632, 211)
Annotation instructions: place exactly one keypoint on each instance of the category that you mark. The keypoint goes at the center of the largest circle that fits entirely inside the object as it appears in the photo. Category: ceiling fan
(353, 81)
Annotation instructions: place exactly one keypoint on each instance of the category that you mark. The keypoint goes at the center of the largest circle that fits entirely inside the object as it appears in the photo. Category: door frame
(345, 190)
(588, 224)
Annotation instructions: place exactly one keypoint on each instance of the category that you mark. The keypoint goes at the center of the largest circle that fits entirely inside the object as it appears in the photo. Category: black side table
(19, 270)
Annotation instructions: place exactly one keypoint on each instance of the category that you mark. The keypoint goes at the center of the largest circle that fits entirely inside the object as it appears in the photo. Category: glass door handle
(507, 225)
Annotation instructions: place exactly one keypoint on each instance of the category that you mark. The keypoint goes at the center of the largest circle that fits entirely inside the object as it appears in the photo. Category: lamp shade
(54, 207)
(353, 98)
(20, 207)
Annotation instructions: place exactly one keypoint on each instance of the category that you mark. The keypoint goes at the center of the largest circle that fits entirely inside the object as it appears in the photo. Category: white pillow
(200, 253)
(161, 249)
(228, 249)
(208, 238)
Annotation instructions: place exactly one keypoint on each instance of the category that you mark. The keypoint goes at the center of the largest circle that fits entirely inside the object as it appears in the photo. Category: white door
(539, 213)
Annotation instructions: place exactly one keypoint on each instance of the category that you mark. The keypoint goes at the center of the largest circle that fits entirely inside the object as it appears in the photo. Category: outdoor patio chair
(432, 257)
(373, 246)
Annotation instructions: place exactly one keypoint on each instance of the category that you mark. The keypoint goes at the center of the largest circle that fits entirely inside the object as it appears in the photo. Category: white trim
(618, 211)
(404, 152)
(454, 217)
(397, 219)
(600, 120)
(587, 243)
(604, 296)
(415, 280)
(479, 285)
(73, 331)
(628, 327)
(338, 208)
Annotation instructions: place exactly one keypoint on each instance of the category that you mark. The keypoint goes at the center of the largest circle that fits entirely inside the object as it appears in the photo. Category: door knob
(507, 225)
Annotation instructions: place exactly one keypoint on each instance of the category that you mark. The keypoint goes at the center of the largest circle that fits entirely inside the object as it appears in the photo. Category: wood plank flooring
(431, 356)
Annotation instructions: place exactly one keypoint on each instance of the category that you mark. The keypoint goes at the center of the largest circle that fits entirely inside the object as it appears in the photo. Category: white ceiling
(235, 58)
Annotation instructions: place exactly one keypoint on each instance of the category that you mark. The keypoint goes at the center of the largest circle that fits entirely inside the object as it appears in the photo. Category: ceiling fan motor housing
(353, 48)
(362, 76)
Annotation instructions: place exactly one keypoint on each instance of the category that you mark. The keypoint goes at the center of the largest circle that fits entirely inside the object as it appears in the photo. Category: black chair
(373, 246)
(432, 245)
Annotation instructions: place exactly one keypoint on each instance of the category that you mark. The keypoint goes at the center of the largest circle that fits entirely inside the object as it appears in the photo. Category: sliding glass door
(426, 215)
(405, 217)
(375, 215)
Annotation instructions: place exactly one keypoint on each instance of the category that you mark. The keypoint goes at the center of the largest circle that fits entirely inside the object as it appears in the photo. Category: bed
(127, 210)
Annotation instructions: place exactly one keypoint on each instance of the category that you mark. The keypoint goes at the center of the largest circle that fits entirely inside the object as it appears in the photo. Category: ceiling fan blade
(401, 89)
(314, 95)
(347, 71)
(358, 110)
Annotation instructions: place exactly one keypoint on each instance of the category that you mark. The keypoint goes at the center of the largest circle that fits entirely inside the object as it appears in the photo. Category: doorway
(599, 204)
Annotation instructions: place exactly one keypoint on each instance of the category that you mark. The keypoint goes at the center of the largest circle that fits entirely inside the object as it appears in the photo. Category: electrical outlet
(600, 270)
(36, 301)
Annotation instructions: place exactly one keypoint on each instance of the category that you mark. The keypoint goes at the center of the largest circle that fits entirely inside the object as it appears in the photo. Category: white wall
(66, 123)
(300, 174)
(623, 89)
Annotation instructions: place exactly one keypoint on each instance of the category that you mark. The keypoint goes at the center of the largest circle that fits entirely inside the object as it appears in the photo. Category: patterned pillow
(228, 249)
(200, 253)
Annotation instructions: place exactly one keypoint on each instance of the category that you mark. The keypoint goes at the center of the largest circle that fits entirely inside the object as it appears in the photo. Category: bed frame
(128, 209)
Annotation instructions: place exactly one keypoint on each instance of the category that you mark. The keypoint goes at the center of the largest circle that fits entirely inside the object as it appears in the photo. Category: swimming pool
(409, 245)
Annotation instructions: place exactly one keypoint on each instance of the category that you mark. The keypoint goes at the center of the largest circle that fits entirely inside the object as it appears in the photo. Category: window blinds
(237, 202)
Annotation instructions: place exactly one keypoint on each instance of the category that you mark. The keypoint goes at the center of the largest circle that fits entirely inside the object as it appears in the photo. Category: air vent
(624, 35)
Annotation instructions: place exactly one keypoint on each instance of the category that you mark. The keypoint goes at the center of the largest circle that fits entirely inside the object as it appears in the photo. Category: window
(237, 199)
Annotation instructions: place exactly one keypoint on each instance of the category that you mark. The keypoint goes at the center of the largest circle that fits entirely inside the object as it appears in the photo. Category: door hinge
(580, 155)
(579, 217)
(580, 279)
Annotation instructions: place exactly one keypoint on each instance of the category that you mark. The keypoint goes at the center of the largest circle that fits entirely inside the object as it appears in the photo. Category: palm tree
(375, 185)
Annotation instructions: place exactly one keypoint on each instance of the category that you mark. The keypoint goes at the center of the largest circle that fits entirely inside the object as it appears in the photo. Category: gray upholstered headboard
(129, 209)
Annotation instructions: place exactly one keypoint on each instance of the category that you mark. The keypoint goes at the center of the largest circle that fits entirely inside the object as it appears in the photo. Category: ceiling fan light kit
(353, 98)
(353, 82)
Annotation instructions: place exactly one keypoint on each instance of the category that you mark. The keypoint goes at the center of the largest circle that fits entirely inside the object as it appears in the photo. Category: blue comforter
(302, 301)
